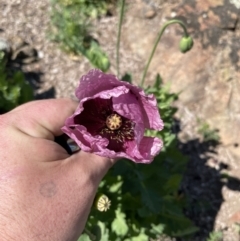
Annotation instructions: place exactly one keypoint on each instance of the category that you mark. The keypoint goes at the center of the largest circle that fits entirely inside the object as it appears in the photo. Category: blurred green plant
(237, 227)
(207, 132)
(14, 90)
(215, 236)
(70, 27)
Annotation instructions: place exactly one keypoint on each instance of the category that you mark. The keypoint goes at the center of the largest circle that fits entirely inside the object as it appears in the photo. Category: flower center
(114, 122)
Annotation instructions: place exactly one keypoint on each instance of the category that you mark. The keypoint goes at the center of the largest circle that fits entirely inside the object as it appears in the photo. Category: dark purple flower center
(99, 118)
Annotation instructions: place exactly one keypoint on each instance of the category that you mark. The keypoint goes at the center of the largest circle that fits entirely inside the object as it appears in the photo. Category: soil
(213, 200)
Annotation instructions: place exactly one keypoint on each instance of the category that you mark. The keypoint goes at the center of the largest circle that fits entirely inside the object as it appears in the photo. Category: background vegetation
(14, 89)
(71, 28)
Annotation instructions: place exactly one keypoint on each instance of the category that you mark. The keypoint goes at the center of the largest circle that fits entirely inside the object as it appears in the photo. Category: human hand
(46, 194)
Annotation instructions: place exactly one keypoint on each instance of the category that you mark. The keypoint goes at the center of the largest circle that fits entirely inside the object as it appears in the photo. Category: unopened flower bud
(186, 44)
(105, 63)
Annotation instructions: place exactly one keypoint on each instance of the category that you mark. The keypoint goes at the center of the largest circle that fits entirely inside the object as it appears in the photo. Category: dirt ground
(208, 75)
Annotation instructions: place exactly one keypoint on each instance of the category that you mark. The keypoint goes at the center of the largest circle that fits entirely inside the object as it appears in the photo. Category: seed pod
(102, 203)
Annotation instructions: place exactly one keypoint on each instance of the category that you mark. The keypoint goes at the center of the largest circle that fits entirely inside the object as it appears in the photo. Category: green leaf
(119, 225)
(151, 199)
(115, 186)
(26, 94)
(215, 236)
(143, 212)
(127, 77)
(84, 237)
(173, 183)
(97, 57)
(13, 94)
(157, 229)
(140, 237)
(104, 232)
(130, 202)
(158, 81)
(185, 232)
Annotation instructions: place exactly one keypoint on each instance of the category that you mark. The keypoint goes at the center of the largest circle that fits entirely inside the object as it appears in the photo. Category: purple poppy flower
(111, 119)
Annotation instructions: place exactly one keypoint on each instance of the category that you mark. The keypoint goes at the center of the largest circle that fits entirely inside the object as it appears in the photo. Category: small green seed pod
(102, 203)
(186, 44)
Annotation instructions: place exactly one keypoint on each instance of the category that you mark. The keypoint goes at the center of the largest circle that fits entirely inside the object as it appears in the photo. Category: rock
(146, 8)
(150, 13)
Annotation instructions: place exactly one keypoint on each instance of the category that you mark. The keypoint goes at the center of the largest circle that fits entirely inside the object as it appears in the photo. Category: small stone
(151, 13)
(40, 54)
(204, 15)
(173, 14)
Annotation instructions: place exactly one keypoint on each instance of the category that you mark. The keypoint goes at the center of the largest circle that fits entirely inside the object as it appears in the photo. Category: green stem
(157, 41)
(91, 236)
(119, 34)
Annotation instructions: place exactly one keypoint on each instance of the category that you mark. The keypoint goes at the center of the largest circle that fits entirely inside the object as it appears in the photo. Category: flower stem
(157, 41)
(119, 34)
(91, 236)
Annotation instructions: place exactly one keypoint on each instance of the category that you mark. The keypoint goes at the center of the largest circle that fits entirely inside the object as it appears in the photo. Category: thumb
(42, 118)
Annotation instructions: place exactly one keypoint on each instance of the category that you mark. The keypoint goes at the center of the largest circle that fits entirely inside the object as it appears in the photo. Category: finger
(43, 118)
(95, 166)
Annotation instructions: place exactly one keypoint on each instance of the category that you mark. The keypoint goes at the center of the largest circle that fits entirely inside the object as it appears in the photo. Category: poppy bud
(186, 44)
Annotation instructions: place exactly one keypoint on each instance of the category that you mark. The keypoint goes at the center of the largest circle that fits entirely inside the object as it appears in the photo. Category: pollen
(114, 122)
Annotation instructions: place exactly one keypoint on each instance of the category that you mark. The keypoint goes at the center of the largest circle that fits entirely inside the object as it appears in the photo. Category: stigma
(114, 122)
